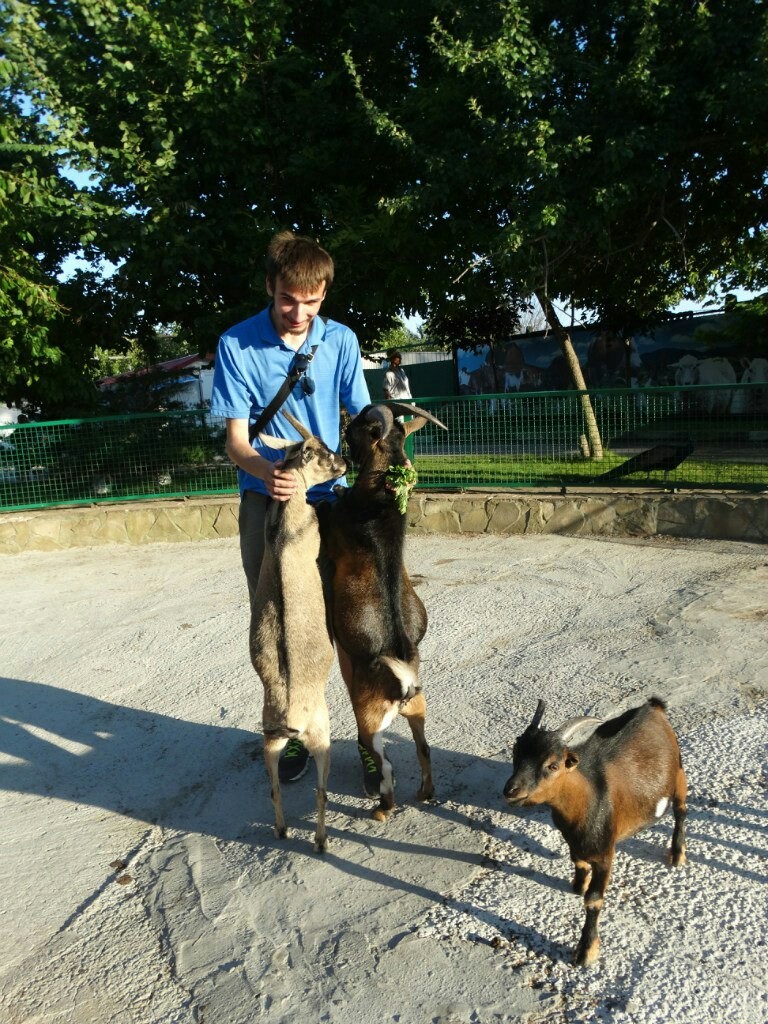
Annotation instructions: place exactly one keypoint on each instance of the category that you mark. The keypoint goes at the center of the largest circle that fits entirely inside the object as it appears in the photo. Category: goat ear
(294, 453)
(274, 442)
(571, 760)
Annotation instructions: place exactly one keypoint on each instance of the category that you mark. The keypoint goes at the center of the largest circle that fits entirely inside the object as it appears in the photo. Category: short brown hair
(300, 261)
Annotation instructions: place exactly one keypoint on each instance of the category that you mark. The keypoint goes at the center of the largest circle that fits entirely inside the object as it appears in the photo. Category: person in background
(253, 359)
(396, 384)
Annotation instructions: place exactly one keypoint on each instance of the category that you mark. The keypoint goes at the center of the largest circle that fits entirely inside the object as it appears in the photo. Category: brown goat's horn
(306, 434)
(404, 409)
(538, 715)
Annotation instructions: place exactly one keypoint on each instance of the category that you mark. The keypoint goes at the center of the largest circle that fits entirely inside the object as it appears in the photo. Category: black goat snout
(513, 792)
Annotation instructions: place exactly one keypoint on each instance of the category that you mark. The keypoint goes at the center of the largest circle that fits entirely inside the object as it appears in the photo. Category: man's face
(293, 311)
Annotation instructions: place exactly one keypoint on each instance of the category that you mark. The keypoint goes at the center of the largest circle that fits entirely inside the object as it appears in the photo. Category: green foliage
(396, 336)
(456, 159)
(602, 152)
(745, 328)
(30, 199)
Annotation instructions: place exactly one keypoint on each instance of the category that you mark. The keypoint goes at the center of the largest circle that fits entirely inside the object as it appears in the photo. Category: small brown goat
(601, 788)
(290, 642)
(378, 619)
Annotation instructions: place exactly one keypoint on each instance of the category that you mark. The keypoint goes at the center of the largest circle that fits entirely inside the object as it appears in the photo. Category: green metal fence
(125, 458)
(719, 436)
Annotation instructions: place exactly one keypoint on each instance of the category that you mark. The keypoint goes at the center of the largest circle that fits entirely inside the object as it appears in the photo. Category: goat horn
(577, 730)
(404, 409)
(297, 426)
(382, 415)
(538, 715)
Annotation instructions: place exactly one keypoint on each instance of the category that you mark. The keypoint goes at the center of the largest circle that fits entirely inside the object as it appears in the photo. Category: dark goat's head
(376, 438)
(540, 758)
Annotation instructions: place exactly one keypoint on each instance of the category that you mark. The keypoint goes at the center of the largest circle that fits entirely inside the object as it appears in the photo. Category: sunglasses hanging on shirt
(297, 373)
(300, 367)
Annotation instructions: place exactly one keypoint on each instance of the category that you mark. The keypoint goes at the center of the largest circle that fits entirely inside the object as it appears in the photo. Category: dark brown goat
(378, 619)
(601, 788)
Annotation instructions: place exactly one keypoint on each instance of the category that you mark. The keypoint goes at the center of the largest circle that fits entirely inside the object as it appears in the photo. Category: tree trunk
(594, 445)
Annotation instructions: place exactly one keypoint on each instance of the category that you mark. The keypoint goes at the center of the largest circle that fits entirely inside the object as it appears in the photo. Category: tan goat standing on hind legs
(290, 640)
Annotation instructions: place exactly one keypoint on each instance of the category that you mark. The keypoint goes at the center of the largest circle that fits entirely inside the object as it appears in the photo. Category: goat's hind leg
(680, 807)
(372, 743)
(273, 746)
(415, 712)
(372, 719)
(318, 741)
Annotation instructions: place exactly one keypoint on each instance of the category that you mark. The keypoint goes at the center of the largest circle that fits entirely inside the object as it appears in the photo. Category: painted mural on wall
(678, 353)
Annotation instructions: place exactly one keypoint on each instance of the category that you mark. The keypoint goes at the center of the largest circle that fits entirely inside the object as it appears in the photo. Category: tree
(29, 197)
(607, 154)
(456, 159)
(208, 127)
(398, 336)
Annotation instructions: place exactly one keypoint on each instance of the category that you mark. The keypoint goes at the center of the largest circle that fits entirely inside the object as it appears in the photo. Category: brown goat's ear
(571, 760)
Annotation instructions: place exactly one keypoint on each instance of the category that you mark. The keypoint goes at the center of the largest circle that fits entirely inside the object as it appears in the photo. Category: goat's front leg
(415, 712)
(273, 746)
(581, 875)
(588, 948)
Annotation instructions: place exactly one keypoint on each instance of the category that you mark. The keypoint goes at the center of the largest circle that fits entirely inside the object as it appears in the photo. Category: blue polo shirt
(251, 364)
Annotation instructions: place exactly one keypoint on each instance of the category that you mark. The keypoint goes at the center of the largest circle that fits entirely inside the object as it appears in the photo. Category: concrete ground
(141, 880)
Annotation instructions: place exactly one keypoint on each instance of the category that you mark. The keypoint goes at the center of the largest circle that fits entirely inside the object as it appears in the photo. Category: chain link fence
(696, 437)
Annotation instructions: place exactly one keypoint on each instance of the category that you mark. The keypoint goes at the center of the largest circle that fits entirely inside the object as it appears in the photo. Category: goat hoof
(280, 833)
(321, 845)
(676, 860)
(380, 813)
(426, 793)
(585, 956)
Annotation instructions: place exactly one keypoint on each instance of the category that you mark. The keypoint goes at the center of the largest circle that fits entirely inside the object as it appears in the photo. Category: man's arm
(280, 484)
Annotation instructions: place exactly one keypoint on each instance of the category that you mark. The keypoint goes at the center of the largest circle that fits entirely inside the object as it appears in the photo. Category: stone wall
(717, 516)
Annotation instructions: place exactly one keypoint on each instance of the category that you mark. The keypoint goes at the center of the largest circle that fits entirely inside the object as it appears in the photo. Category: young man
(396, 384)
(252, 361)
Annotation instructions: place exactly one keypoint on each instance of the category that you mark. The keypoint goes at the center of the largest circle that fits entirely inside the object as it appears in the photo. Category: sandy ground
(141, 881)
